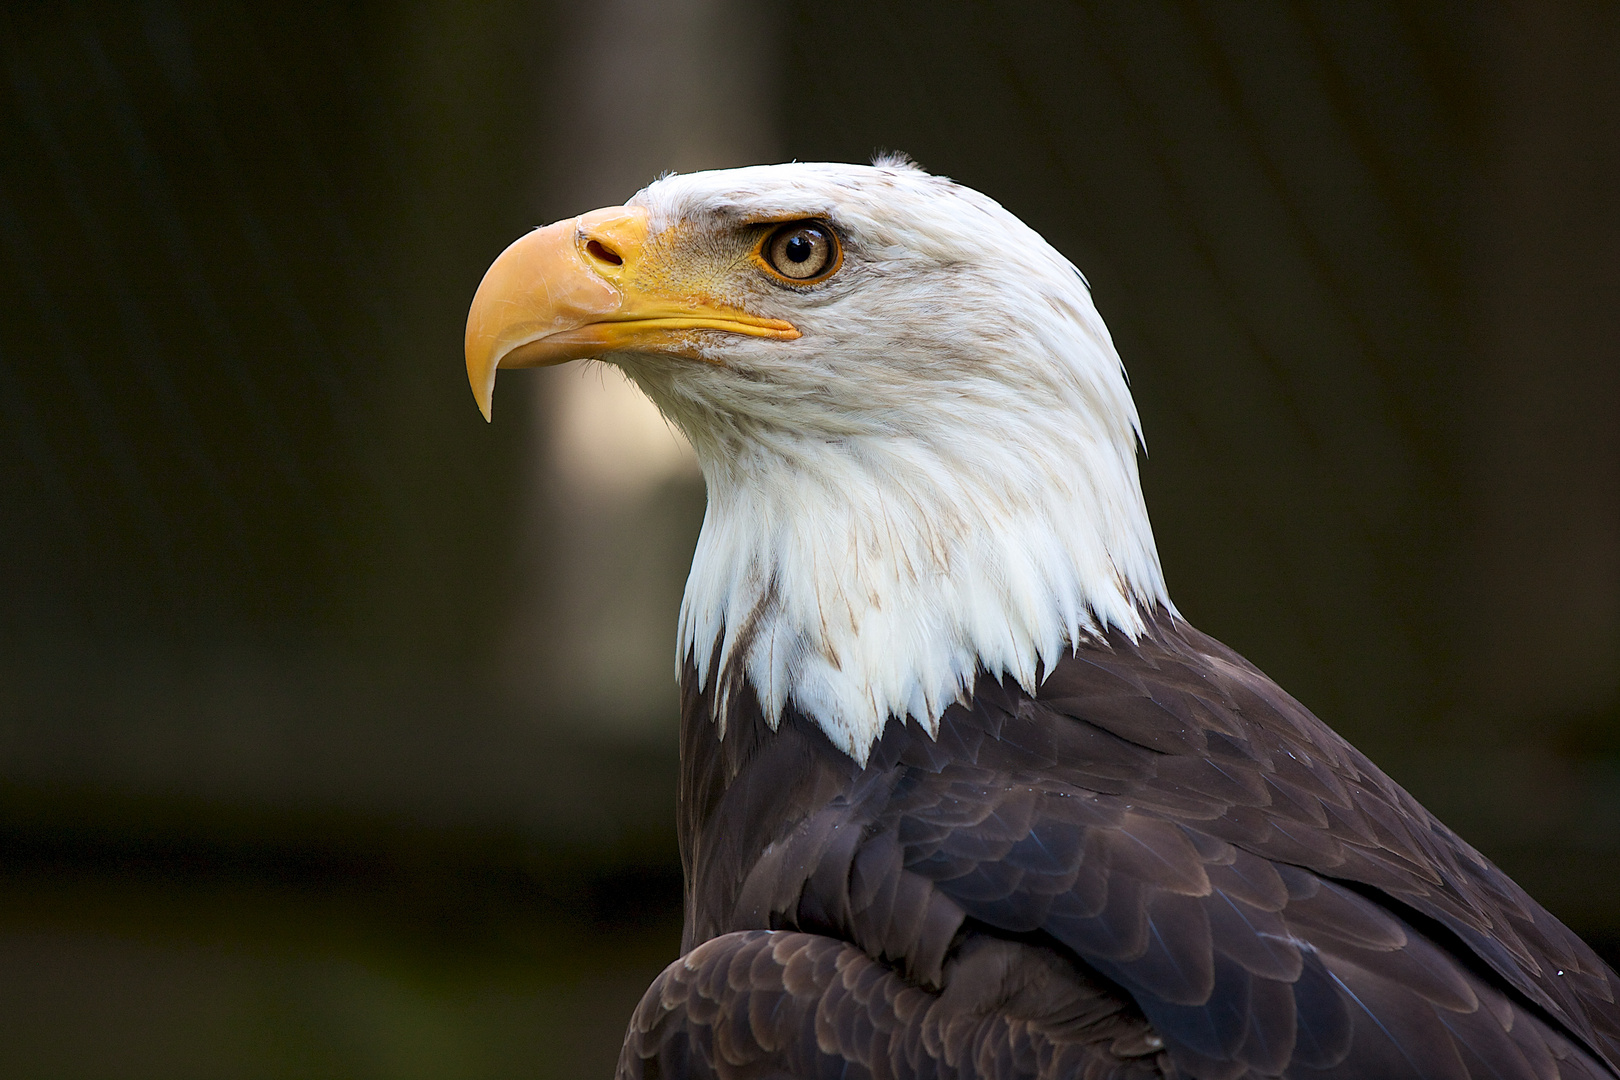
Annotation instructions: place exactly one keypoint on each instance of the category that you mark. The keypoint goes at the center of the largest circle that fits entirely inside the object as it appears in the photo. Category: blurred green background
(337, 727)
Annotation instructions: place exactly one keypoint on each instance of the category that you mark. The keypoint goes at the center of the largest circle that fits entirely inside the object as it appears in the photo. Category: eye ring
(802, 252)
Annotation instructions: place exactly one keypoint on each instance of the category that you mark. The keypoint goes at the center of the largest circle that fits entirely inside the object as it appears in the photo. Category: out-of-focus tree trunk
(644, 87)
(1546, 491)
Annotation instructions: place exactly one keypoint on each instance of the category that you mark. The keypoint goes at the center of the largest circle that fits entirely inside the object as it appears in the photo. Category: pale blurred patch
(616, 495)
(608, 442)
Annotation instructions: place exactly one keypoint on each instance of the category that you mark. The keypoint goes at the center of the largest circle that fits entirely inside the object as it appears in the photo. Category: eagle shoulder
(1194, 847)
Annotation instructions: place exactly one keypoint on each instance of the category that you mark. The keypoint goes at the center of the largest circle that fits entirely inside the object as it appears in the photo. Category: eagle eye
(802, 252)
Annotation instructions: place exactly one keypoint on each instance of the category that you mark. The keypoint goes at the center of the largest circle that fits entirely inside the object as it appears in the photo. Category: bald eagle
(962, 794)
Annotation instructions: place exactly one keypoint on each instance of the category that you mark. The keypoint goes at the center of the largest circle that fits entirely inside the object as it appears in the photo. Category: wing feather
(1183, 846)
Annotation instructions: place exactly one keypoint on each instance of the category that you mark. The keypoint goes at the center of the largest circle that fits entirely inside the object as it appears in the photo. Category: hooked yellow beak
(583, 287)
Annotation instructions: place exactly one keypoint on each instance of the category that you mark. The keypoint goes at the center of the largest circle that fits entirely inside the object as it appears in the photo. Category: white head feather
(939, 476)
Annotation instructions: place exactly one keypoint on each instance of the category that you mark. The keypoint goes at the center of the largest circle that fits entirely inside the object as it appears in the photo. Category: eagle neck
(861, 579)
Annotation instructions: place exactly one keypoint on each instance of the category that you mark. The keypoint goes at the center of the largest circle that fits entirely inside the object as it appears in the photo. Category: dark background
(336, 727)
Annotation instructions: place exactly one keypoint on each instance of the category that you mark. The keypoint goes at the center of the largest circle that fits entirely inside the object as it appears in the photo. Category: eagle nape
(962, 794)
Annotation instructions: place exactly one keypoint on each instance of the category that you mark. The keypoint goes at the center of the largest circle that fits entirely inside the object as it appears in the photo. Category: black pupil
(799, 248)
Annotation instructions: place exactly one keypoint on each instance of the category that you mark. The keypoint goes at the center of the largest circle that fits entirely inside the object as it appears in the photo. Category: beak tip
(482, 382)
(485, 397)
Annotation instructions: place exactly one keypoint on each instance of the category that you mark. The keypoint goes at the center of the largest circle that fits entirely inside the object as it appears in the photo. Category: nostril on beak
(602, 253)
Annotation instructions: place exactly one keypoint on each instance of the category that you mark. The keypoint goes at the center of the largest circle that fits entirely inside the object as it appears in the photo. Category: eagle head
(916, 435)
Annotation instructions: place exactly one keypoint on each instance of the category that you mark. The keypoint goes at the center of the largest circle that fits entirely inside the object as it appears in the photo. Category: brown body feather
(1158, 865)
